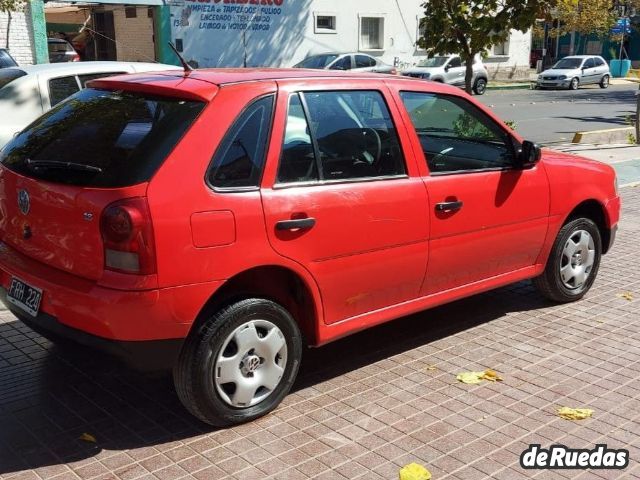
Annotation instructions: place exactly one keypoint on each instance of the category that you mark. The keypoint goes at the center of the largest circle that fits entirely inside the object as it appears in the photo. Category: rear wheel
(240, 363)
(573, 263)
(604, 83)
(575, 83)
(480, 86)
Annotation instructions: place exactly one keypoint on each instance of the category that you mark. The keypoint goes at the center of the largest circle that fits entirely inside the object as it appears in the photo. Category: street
(553, 116)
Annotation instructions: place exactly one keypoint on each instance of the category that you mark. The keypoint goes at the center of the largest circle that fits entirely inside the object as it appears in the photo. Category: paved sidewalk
(624, 158)
(364, 406)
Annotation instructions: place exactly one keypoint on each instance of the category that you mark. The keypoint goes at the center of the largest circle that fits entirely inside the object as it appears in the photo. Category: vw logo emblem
(24, 202)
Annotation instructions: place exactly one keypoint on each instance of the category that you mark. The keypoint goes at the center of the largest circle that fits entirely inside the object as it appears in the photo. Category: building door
(105, 36)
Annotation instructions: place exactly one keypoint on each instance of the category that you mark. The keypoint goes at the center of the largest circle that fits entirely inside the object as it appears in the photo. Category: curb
(612, 135)
(518, 86)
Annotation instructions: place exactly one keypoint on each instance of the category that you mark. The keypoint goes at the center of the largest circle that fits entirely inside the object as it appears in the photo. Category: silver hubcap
(576, 262)
(250, 364)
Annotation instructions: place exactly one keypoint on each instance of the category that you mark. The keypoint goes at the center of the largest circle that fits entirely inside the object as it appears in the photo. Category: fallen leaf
(413, 471)
(431, 368)
(574, 413)
(87, 437)
(626, 295)
(473, 378)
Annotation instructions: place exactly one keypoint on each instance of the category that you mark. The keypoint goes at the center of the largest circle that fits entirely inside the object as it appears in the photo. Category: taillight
(127, 234)
(394, 71)
(76, 58)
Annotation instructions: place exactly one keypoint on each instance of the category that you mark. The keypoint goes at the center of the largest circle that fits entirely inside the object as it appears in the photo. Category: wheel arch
(596, 212)
(273, 282)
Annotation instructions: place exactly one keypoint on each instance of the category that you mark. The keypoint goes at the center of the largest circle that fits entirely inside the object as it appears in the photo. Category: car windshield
(317, 61)
(59, 47)
(8, 75)
(101, 139)
(568, 63)
(433, 62)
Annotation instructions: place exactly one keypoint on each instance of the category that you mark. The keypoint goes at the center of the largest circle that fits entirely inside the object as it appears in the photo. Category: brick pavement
(364, 406)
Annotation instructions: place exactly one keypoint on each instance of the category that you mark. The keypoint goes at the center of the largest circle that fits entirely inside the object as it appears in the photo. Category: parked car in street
(61, 51)
(451, 70)
(27, 92)
(6, 60)
(572, 72)
(217, 221)
(359, 62)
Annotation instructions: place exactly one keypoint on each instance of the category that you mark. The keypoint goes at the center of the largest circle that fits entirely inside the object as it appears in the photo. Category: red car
(221, 220)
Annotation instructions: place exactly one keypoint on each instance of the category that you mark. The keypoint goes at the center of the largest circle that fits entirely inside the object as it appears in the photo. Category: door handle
(300, 224)
(448, 206)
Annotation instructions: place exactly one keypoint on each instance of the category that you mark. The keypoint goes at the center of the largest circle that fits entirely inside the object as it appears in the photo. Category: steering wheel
(366, 155)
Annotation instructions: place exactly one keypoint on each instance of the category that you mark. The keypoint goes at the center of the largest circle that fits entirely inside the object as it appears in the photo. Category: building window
(422, 31)
(501, 49)
(130, 12)
(371, 33)
(325, 23)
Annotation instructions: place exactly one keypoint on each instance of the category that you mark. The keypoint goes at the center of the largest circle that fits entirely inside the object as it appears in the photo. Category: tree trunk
(9, 18)
(468, 76)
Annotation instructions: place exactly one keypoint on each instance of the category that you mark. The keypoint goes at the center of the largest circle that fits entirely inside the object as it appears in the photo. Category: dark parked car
(6, 60)
(61, 51)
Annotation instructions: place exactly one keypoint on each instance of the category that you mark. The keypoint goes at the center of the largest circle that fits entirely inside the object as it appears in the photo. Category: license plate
(25, 296)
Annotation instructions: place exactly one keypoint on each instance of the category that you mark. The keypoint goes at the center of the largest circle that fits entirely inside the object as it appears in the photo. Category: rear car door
(340, 198)
(488, 217)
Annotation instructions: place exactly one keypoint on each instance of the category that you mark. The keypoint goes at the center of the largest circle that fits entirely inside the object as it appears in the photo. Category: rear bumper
(143, 355)
(84, 311)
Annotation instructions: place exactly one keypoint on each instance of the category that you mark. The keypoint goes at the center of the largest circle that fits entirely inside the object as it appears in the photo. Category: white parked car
(450, 69)
(28, 92)
(357, 62)
(571, 72)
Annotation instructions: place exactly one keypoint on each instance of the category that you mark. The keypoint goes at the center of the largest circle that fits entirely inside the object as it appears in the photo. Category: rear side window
(9, 75)
(589, 63)
(101, 139)
(348, 134)
(599, 62)
(6, 60)
(363, 61)
(93, 76)
(240, 158)
(61, 88)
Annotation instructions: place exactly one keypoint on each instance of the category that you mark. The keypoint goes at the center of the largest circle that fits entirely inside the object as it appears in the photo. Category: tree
(470, 28)
(8, 6)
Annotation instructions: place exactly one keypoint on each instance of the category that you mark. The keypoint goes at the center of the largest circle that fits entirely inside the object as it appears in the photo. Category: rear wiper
(62, 165)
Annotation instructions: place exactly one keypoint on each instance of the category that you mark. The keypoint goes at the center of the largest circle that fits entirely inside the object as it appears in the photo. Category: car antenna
(187, 68)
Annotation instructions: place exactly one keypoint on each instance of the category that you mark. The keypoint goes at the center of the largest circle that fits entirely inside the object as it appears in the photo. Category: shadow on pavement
(50, 396)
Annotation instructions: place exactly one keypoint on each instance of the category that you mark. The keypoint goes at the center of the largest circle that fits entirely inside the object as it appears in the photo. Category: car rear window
(101, 138)
(8, 75)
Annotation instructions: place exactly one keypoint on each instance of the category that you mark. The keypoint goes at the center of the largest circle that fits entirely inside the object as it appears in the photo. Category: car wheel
(573, 264)
(604, 83)
(575, 83)
(240, 363)
(480, 86)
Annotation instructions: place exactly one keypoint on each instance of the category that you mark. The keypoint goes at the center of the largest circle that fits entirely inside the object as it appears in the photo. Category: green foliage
(10, 5)
(466, 126)
(470, 28)
(631, 139)
(511, 124)
(586, 17)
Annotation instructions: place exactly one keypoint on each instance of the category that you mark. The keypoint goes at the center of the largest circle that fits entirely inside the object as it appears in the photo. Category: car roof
(581, 56)
(87, 67)
(202, 84)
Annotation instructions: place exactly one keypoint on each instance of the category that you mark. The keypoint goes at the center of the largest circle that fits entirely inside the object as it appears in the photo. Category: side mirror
(446, 68)
(529, 154)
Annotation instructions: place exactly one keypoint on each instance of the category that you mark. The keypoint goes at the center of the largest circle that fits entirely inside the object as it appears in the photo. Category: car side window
(239, 160)
(343, 63)
(363, 61)
(456, 136)
(599, 62)
(93, 76)
(589, 63)
(455, 62)
(348, 134)
(62, 88)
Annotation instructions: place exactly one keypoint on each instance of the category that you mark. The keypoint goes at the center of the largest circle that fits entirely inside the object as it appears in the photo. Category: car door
(487, 216)
(454, 72)
(589, 73)
(341, 200)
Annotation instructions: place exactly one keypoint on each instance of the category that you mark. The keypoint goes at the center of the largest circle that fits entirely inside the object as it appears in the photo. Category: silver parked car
(359, 62)
(571, 72)
(27, 92)
(451, 70)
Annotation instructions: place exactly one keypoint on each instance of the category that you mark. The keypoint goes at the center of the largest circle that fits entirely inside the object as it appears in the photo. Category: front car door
(454, 71)
(589, 73)
(488, 217)
(342, 199)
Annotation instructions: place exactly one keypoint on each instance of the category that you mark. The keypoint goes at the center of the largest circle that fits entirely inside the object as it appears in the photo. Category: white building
(283, 32)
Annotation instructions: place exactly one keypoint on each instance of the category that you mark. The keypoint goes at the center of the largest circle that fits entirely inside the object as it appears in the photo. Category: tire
(582, 238)
(575, 83)
(604, 83)
(480, 86)
(239, 332)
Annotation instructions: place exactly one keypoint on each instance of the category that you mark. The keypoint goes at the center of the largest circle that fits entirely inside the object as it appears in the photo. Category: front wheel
(575, 83)
(604, 83)
(480, 86)
(573, 263)
(240, 363)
